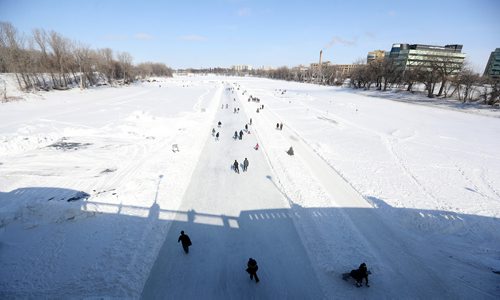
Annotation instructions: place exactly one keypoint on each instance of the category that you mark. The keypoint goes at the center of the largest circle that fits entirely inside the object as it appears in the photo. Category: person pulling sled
(358, 275)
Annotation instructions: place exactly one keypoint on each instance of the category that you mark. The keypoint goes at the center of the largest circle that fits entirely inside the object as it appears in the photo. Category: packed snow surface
(96, 185)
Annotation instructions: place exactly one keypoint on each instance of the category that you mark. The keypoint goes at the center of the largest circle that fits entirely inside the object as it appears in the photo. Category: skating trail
(231, 217)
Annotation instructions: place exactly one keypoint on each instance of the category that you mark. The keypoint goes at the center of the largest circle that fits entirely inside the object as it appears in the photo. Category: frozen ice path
(231, 217)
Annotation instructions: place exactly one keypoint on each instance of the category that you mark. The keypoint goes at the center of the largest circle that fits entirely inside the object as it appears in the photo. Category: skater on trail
(250, 121)
(226, 105)
(241, 134)
(245, 165)
(222, 106)
(238, 110)
(252, 269)
(235, 136)
(256, 146)
(219, 124)
(234, 110)
(277, 126)
(236, 166)
(360, 274)
(185, 241)
(281, 126)
(213, 131)
(217, 136)
(246, 127)
(290, 151)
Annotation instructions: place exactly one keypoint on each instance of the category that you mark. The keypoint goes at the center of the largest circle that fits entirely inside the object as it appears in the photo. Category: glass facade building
(493, 67)
(410, 56)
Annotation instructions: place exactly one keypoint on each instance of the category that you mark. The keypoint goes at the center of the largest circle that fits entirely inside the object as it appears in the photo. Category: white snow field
(92, 197)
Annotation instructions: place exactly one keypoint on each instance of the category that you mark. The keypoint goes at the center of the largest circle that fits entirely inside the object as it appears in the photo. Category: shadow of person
(191, 214)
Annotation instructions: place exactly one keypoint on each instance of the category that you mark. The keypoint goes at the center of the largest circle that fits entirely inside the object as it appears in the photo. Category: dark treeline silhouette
(443, 76)
(47, 60)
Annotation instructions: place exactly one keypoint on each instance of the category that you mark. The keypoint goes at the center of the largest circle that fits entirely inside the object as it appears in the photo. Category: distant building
(492, 69)
(347, 69)
(375, 55)
(409, 56)
(323, 64)
(242, 68)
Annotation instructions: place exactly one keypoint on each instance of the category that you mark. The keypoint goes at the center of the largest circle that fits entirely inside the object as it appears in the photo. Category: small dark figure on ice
(219, 124)
(281, 126)
(241, 134)
(358, 275)
(250, 121)
(235, 136)
(217, 136)
(185, 240)
(236, 166)
(290, 151)
(245, 165)
(246, 127)
(252, 269)
(277, 126)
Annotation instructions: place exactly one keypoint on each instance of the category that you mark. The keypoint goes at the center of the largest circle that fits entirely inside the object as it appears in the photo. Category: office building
(492, 69)
(375, 55)
(411, 56)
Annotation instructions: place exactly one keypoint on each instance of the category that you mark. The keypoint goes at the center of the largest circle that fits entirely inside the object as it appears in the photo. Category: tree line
(47, 60)
(440, 76)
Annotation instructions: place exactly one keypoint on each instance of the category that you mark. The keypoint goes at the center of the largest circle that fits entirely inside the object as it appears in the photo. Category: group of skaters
(358, 275)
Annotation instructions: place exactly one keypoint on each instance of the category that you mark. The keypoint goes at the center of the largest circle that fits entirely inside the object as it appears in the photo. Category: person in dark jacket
(217, 136)
(277, 126)
(245, 165)
(281, 126)
(185, 240)
(252, 269)
(235, 136)
(241, 134)
(236, 167)
(360, 274)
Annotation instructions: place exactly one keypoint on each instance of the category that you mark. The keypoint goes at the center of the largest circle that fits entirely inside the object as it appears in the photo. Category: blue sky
(262, 33)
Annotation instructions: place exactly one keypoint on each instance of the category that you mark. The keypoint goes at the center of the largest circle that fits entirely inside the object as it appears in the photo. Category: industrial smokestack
(320, 57)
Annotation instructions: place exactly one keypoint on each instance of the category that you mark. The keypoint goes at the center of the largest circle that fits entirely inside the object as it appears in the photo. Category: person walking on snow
(235, 166)
(250, 121)
(185, 241)
(246, 127)
(245, 165)
(252, 269)
(257, 146)
(235, 135)
(241, 134)
(213, 131)
(217, 136)
(281, 126)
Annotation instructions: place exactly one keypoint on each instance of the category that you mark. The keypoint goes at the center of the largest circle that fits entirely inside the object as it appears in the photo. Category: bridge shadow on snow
(263, 234)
